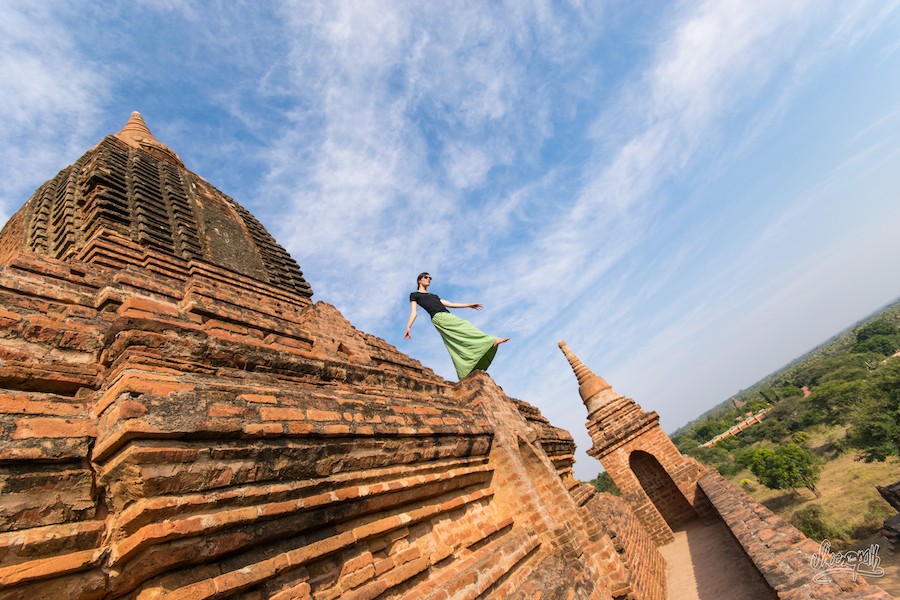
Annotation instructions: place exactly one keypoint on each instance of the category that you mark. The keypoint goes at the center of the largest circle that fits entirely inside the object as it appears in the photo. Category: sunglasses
(427, 277)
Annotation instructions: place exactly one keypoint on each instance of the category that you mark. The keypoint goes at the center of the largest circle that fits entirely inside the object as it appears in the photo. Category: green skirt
(469, 347)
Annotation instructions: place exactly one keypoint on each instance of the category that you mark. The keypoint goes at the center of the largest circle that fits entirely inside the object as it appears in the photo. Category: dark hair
(421, 275)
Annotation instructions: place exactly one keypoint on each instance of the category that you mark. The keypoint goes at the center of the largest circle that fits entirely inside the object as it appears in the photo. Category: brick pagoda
(180, 420)
(657, 481)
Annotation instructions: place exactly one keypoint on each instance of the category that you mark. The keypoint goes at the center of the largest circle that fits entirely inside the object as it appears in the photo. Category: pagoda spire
(136, 124)
(136, 134)
(591, 387)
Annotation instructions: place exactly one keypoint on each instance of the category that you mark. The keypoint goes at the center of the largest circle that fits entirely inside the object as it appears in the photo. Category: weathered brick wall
(657, 481)
(654, 477)
(639, 553)
(659, 487)
(194, 437)
(778, 550)
(557, 444)
(528, 484)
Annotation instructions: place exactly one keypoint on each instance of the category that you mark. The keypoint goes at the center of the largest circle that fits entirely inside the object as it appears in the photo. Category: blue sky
(691, 194)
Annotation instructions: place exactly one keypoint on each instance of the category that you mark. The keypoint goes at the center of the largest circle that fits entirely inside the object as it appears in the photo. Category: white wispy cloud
(713, 58)
(552, 160)
(414, 107)
(49, 91)
(716, 62)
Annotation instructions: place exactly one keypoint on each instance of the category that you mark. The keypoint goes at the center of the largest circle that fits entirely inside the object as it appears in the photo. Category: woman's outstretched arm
(474, 305)
(412, 318)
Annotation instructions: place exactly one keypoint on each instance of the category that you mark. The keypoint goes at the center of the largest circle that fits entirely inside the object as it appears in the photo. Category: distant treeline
(851, 380)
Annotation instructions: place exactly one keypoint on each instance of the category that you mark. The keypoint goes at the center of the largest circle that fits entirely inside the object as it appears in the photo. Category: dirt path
(705, 563)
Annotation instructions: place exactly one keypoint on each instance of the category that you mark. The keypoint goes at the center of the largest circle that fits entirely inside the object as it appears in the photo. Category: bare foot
(500, 341)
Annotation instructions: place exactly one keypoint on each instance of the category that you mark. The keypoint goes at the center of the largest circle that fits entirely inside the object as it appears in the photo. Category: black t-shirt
(429, 302)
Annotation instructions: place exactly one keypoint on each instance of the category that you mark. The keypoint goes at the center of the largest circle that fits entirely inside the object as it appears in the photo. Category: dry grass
(848, 488)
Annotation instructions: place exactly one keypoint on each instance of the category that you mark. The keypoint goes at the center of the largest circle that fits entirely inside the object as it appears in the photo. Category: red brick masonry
(778, 550)
(178, 419)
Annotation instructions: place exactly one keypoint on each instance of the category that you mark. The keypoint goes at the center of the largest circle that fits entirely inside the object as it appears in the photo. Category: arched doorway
(661, 490)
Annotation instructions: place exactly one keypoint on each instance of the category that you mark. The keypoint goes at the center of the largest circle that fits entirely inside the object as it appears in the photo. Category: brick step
(231, 415)
(54, 274)
(273, 498)
(298, 515)
(471, 573)
(44, 426)
(65, 379)
(15, 580)
(582, 493)
(548, 574)
(270, 557)
(20, 548)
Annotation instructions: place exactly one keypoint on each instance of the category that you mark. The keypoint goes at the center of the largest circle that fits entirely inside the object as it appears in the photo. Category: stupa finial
(589, 384)
(136, 134)
(136, 124)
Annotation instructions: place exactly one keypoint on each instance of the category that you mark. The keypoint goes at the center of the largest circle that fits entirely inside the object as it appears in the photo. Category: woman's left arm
(474, 305)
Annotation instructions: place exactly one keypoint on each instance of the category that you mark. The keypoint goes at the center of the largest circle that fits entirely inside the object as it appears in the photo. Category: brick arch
(660, 488)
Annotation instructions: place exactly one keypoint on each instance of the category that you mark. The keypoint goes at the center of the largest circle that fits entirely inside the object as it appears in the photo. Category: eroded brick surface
(180, 420)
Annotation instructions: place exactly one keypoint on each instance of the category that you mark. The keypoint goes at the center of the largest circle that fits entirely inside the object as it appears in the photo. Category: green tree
(856, 370)
(717, 457)
(730, 443)
(879, 335)
(604, 483)
(744, 458)
(875, 427)
(834, 401)
(787, 467)
(785, 389)
(756, 404)
(821, 369)
(875, 433)
(884, 345)
(886, 380)
(816, 524)
(709, 429)
(685, 443)
(875, 328)
(801, 438)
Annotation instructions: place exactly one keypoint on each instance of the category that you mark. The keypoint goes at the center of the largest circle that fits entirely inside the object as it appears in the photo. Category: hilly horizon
(837, 339)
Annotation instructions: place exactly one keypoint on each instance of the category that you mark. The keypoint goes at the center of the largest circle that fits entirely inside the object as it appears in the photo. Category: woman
(469, 347)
